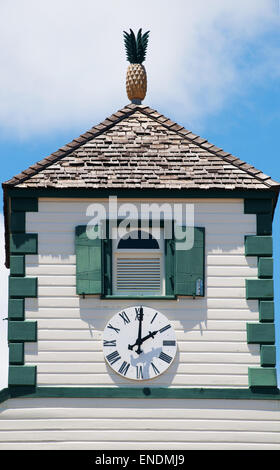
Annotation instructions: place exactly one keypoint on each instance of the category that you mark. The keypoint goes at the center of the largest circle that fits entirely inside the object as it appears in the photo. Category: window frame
(173, 270)
(153, 253)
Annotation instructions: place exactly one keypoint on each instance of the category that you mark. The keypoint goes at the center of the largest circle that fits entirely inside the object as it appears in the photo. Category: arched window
(138, 240)
(138, 267)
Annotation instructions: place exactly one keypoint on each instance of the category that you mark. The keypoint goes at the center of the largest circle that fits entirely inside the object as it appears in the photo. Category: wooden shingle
(139, 147)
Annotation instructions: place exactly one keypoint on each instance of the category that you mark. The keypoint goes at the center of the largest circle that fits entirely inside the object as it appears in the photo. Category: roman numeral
(155, 369)
(153, 318)
(139, 372)
(125, 318)
(124, 368)
(164, 357)
(113, 357)
(117, 330)
(164, 328)
(139, 313)
(169, 343)
(109, 343)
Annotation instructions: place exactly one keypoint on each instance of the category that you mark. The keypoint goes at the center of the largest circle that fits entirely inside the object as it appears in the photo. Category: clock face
(139, 343)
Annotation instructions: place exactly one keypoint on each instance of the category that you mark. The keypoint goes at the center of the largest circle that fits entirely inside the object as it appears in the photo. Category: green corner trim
(17, 265)
(262, 377)
(266, 311)
(24, 204)
(17, 222)
(265, 268)
(16, 353)
(16, 309)
(258, 245)
(19, 330)
(260, 333)
(24, 243)
(23, 286)
(257, 206)
(22, 375)
(259, 289)
(268, 356)
(264, 224)
(4, 395)
(22, 331)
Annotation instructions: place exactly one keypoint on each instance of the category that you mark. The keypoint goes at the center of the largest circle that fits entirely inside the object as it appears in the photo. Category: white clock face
(139, 343)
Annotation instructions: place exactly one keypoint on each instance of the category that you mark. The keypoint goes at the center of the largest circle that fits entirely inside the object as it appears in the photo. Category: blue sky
(213, 67)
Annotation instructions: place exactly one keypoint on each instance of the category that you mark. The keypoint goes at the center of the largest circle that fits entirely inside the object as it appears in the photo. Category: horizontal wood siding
(211, 331)
(88, 424)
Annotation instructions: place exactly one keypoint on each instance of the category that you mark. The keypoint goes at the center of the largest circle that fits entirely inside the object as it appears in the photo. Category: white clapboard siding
(242, 272)
(69, 358)
(182, 324)
(186, 380)
(221, 268)
(212, 292)
(64, 229)
(193, 335)
(94, 424)
(212, 281)
(78, 207)
(50, 258)
(70, 328)
(97, 356)
(75, 302)
(89, 346)
(75, 313)
(129, 424)
(183, 368)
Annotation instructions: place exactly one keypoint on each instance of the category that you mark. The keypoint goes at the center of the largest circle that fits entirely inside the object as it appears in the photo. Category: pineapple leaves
(136, 47)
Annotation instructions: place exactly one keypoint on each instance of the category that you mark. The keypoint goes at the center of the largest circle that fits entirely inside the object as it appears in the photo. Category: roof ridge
(118, 116)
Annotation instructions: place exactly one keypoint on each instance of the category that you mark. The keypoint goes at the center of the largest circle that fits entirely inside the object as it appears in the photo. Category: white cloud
(63, 63)
(3, 310)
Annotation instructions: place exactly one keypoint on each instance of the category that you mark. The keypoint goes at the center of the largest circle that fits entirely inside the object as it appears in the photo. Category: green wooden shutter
(169, 266)
(107, 266)
(88, 263)
(189, 266)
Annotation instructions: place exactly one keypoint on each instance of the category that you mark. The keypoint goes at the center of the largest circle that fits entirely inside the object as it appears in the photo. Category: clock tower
(141, 295)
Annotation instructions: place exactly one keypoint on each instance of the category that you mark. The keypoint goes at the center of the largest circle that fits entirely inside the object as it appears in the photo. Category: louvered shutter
(169, 266)
(138, 275)
(88, 263)
(189, 266)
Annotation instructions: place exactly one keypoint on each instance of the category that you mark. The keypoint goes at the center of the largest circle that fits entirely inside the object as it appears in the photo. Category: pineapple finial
(136, 77)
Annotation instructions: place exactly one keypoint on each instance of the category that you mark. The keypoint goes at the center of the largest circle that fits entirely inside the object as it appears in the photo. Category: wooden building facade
(205, 377)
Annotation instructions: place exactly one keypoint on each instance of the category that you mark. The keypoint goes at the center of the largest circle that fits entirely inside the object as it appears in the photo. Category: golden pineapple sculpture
(136, 77)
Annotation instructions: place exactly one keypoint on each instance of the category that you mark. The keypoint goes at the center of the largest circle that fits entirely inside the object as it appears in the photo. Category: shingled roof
(137, 147)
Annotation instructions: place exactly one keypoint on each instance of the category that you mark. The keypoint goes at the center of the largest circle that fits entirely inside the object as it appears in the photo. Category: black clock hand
(150, 335)
(139, 342)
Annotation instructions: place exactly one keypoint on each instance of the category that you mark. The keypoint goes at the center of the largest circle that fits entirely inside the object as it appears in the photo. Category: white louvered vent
(138, 275)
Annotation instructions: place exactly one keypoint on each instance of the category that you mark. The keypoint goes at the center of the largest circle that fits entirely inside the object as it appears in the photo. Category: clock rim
(128, 378)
